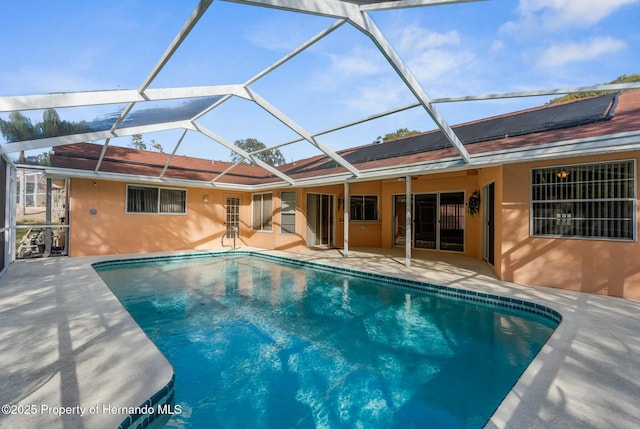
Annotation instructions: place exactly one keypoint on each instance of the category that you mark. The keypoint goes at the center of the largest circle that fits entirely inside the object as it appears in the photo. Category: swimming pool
(271, 343)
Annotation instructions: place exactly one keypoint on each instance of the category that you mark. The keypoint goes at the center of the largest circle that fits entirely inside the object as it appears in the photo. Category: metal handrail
(235, 234)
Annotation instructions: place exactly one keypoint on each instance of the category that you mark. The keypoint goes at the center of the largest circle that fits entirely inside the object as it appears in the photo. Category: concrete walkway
(68, 346)
(65, 340)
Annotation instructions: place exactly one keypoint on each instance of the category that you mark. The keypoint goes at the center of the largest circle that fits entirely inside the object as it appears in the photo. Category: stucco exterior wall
(111, 231)
(274, 239)
(596, 266)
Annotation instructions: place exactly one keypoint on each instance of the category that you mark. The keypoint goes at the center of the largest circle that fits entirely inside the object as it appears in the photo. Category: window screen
(146, 199)
(363, 207)
(587, 201)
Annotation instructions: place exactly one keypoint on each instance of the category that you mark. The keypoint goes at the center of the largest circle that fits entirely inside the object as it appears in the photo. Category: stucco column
(347, 205)
(408, 222)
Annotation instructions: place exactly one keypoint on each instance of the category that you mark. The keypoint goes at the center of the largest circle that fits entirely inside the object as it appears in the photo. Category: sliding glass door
(438, 221)
(320, 228)
(452, 221)
(425, 215)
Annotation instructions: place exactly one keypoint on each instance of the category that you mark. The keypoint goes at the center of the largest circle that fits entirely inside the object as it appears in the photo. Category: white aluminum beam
(408, 222)
(400, 4)
(301, 131)
(173, 153)
(392, 57)
(331, 8)
(539, 93)
(356, 122)
(231, 146)
(191, 22)
(219, 176)
(346, 213)
(102, 154)
(93, 136)
(273, 66)
(94, 98)
(90, 174)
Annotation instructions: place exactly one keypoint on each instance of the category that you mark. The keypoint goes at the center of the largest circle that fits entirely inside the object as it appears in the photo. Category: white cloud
(560, 54)
(272, 39)
(415, 38)
(433, 65)
(358, 62)
(496, 46)
(432, 56)
(348, 68)
(386, 94)
(552, 15)
(31, 81)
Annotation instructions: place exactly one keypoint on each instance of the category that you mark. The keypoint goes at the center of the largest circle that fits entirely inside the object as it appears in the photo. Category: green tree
(51, 125)
(40, 159)
(20, 128)
(272, 157)
(157, 146)
(137, 142)
(620, 79)
(399, 133)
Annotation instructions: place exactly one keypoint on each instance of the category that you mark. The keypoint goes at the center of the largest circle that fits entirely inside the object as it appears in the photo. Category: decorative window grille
(585, 201)
(363, 208)
(262, 211)
(288, 212)
(146, 199)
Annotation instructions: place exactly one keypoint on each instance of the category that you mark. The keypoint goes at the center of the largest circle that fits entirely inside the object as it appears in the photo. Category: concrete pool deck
(65, 340)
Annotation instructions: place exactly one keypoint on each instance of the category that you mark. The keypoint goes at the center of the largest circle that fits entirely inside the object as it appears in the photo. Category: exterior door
(320, 225)
(452, 213)
(488, 218)
(425, 215)
(233, 217)
(438, 221)
(399, 220)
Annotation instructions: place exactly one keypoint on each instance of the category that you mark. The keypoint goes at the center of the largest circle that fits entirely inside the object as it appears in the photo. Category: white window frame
(352, 218)
(291, 211)
(262, 220)
(157, 210)
(566, 219)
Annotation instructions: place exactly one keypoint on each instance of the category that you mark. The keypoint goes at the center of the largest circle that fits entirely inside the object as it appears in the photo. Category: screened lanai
(163, 101)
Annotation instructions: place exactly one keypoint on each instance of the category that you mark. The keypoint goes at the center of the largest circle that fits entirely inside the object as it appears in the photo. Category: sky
(472, 48)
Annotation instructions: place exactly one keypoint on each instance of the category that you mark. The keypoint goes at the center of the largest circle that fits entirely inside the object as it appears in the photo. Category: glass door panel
(452, 221)
(320, 220)
(399, 220)
(488, 221)
(425, 220)
(233, 217)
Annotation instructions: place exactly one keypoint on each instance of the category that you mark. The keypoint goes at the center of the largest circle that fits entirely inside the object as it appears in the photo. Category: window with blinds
(147, 199)
(585, 201)
(288, 212)
(262, 211)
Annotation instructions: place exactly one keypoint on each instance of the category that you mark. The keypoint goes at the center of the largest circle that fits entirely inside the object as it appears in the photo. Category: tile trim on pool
(466, 294)
(161, 401)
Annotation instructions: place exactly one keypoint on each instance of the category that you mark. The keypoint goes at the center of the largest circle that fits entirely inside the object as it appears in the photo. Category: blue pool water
(266, 344)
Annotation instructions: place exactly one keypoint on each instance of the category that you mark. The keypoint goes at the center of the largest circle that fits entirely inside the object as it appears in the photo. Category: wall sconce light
(562, 174)
(205, 199)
